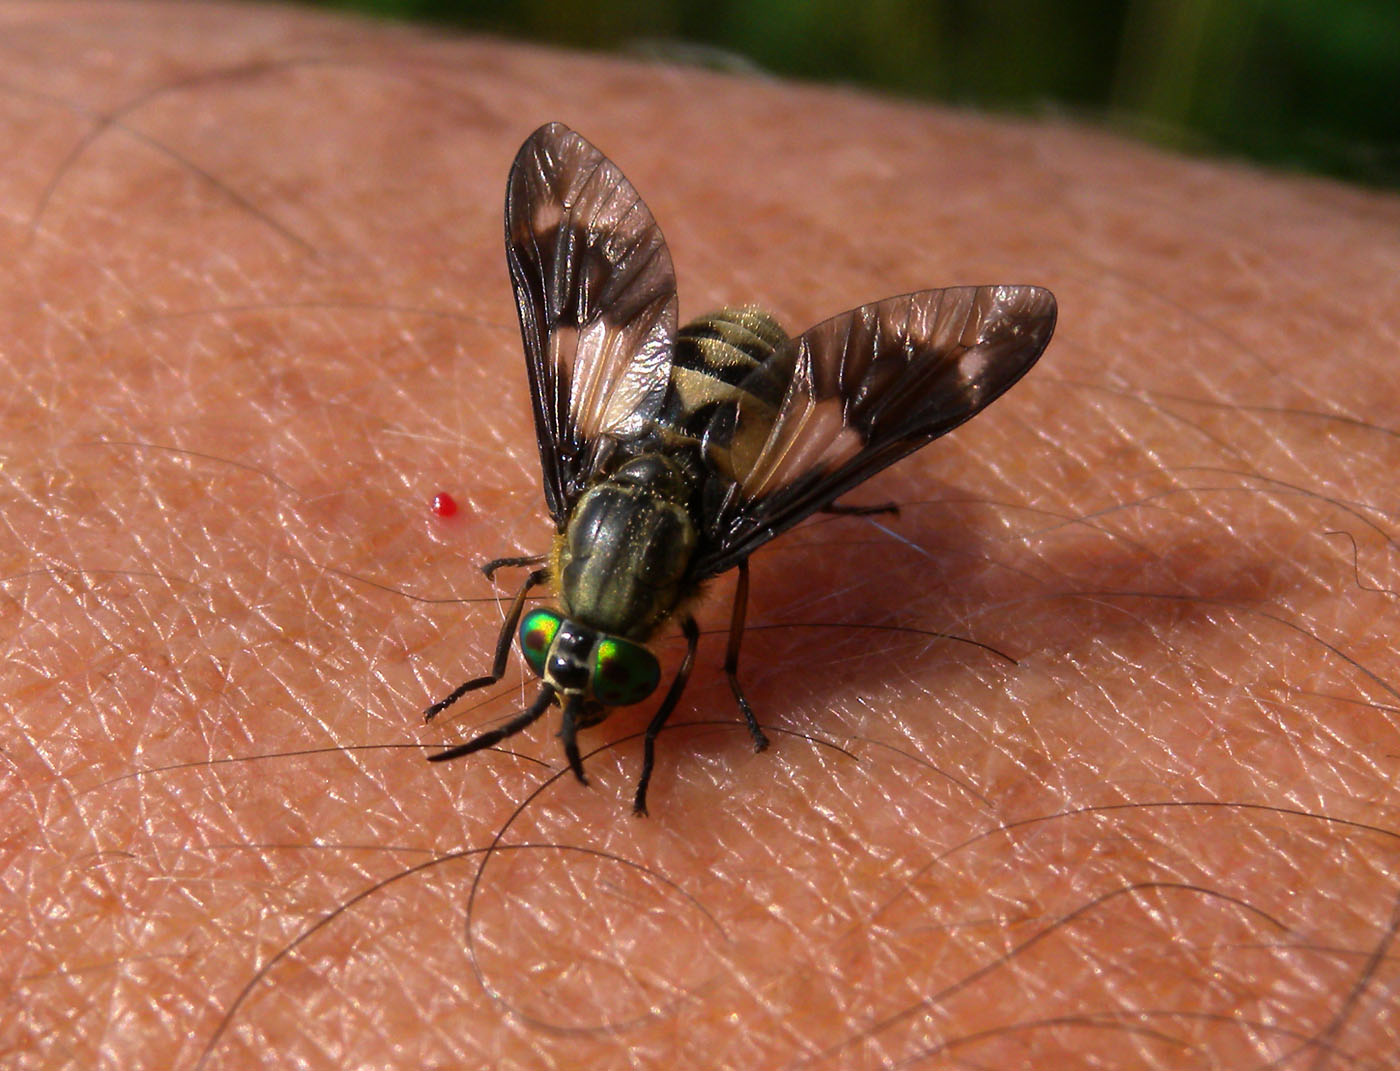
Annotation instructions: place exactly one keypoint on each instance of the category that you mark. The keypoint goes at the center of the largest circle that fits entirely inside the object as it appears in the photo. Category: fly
(670, 454)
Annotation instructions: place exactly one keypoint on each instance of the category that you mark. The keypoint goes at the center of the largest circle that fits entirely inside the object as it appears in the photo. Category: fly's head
(577, 661)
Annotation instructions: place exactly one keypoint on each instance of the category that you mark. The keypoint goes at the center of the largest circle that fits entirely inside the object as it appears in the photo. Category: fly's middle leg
(658, 721)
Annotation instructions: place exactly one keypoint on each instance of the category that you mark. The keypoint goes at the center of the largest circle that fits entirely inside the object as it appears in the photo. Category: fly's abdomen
(729, 376)
(713, 356)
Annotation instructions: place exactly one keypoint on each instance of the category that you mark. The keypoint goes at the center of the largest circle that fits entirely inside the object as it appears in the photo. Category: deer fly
(670, 454)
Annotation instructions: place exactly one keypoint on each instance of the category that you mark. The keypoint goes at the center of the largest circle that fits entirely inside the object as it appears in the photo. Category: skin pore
(255, 314)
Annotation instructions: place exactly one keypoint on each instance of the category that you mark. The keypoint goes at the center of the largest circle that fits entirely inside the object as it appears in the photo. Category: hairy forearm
(256, 313)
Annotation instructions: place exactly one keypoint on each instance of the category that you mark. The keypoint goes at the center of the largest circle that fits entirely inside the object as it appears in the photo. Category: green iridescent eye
(623, 672)
(537, 633)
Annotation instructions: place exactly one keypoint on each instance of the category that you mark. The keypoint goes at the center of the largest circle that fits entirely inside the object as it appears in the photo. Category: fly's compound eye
(623, 672)
(537, 634)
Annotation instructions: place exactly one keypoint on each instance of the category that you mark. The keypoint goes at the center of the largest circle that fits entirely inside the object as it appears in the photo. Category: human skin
(254, 314)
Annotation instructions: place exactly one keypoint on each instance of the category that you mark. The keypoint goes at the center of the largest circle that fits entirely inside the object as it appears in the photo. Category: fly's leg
(658, 721)
(507, 563)
(568, 731)
(860, 511)
(731, 656)
(503, 641)
(523, 720)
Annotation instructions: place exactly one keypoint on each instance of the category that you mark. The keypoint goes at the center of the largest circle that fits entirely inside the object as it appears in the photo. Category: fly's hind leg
(731, 656)
(840, 510)
(503, 642)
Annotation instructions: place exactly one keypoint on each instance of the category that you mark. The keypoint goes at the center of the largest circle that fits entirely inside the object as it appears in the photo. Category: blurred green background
(1302, 84)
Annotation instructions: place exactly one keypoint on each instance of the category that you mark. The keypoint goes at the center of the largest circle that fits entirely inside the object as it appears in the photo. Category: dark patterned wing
(597, 299)
(858, 392)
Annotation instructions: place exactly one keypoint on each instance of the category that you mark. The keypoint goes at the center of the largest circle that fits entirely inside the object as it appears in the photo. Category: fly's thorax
(623, 561)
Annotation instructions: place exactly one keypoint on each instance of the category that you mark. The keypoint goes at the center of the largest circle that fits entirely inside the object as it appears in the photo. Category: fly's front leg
(731, 657)
(523, 720)
(568, 732)
(658, 721)
(503, 642)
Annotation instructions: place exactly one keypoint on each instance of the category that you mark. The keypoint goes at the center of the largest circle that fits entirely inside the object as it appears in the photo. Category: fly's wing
(597, 299)
(858, 392)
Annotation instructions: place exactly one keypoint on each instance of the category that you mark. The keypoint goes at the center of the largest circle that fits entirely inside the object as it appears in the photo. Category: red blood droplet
(444, 505)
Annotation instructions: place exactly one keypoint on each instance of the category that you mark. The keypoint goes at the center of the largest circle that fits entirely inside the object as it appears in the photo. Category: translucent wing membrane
(859, 391)
(597, 299)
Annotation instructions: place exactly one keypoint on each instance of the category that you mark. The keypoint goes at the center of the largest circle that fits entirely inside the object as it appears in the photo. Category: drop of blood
(444, 505)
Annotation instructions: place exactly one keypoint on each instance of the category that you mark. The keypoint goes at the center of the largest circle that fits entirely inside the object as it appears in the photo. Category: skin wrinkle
(384, 367)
